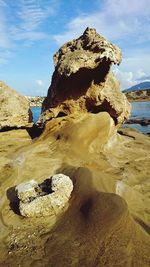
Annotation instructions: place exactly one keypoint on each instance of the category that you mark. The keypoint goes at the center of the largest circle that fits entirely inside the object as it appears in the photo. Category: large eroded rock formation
(14, 108)
(82, 81)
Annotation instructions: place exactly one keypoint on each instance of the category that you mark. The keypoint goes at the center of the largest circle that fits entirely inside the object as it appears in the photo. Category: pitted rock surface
(82, 81)
(47, 198)
(14, 108)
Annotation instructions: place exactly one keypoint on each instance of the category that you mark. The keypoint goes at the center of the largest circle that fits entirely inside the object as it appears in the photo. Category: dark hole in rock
(13, 199)
(86, 207)
(58, 137)
(105, 106)
(75, 85)
(35, 131)
(61, 114)
(46, 187)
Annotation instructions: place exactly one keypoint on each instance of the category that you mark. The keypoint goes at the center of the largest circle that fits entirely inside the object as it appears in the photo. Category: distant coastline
(138, 96)
(35, 101)
(133, 96)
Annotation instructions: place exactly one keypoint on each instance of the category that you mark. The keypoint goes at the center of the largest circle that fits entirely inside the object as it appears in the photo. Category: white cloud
(116, 20)
(5, 56)
(24, 23)
(126, 22)
(133, 70)
(126, 78)
(40, 83)
(140, 74)
(127, 7)
(32, 13)
(144, 78)
(4, 37)
(3, 3)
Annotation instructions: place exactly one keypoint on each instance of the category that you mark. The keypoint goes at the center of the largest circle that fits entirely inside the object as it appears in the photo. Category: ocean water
(139, 110)
(36, 111)
(143, 129)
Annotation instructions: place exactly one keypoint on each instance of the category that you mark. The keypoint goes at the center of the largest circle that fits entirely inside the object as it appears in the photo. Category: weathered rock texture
(48, 198)
(35, 101)
(82, 80)
(14, 108)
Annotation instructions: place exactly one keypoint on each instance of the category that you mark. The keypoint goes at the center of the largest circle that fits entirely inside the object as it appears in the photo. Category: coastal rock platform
(97, 226)
(106, 218)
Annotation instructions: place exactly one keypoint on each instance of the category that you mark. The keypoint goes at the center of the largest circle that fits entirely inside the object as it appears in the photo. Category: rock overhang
(83, 82)
(88, 51)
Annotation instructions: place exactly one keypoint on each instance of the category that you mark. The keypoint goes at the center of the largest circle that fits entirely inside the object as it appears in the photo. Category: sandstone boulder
(47, 198)
(14, 108)
(82, 81)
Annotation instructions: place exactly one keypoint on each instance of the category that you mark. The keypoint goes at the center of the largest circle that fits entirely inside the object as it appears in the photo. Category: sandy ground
(107, 222)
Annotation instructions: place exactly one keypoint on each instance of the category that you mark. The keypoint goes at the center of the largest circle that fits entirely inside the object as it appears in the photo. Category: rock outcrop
(14, 108)
(48, 198)
(82, 81)
(96, 227)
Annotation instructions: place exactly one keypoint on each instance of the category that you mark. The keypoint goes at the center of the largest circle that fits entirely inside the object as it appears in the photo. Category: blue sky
(31, 31)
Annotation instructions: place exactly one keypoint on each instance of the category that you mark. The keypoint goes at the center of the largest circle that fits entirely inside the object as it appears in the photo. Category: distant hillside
(138, 87)
(138, 95)
(35, 101)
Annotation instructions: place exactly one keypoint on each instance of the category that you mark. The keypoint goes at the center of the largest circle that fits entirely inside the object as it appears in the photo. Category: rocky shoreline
(77, 195)
(138, 96)
(143, 122)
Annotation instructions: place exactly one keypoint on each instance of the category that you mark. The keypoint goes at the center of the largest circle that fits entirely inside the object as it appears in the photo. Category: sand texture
(107, 220)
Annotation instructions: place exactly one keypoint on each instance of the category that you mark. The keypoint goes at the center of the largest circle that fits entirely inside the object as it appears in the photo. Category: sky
(31, 31)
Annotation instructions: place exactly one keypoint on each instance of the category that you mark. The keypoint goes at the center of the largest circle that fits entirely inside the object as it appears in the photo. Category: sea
(139, 110)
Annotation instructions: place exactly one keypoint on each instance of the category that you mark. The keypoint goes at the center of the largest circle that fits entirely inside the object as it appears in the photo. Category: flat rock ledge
(45, 199)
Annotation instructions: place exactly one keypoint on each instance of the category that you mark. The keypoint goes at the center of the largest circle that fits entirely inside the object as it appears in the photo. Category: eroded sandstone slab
(82, 81)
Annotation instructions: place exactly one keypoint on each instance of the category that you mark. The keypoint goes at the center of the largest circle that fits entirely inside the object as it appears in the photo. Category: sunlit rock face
(45, 199)
(83, 135)
(82, 81)
(14, 108)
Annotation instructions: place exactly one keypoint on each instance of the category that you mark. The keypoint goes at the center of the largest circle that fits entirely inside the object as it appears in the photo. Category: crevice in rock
(30, 115)
(105, 106)
(35, 131)
(13, 200)
(61, 114)
(143, 224)
(75, 85)
(125, 134)
(46, 187)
